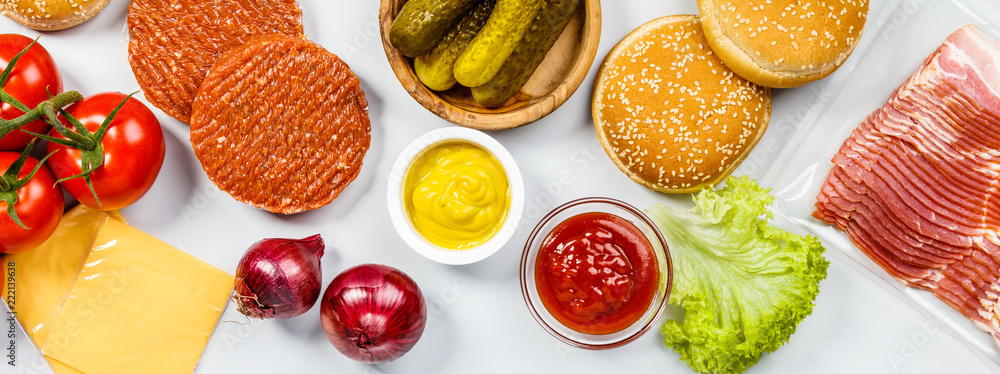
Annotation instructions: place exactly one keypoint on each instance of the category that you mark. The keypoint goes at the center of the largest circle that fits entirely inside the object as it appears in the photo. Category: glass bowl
(529, 287)
(400, 217)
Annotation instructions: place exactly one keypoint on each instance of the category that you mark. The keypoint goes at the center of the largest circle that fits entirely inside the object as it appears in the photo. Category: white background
(478, 321)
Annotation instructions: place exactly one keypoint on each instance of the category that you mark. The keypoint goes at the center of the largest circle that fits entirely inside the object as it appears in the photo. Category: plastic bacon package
(882, 221)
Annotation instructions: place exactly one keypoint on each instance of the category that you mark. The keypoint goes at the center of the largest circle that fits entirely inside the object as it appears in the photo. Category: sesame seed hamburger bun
(670, 114)
(49, 15)
(783, 43)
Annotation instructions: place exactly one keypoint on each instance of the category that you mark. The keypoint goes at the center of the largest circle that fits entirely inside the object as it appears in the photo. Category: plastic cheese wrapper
(107, 298)
(45, 275)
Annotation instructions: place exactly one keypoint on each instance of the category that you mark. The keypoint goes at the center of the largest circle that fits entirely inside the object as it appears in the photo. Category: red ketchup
(596, 273)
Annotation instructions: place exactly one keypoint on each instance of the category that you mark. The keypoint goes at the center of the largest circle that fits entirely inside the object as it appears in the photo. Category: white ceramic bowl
(400, 218)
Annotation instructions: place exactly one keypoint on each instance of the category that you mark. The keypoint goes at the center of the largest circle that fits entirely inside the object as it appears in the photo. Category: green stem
(7, 98)
(43, 108)
(4, 96)
(9, 177)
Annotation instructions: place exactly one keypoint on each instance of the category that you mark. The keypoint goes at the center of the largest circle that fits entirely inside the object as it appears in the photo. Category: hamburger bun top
(783, 43)
(670, 114)
(51, 15)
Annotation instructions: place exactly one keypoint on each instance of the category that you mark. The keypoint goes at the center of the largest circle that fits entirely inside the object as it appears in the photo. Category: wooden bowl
(559, 75)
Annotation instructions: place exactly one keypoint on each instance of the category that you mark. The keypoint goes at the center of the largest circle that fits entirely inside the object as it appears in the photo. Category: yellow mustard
(456, 195)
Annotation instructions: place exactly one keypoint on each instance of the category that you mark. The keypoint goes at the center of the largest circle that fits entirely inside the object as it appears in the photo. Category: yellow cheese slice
(44, 275)
(139, 306)
(61, 368)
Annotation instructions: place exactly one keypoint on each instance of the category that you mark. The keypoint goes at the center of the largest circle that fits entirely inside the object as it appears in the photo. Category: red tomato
(133, 152)
(39, 207)
(34, 77)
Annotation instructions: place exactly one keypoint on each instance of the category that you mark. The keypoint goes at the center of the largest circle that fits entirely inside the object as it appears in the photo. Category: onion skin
(373, 313)
(279, 278)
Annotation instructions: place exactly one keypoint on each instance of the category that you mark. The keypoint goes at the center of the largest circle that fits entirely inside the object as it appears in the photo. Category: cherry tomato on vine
(39, 207)
(33, 78)
(133, 150)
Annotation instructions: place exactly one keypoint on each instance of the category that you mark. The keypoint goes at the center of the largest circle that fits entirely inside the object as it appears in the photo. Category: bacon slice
(915, 186)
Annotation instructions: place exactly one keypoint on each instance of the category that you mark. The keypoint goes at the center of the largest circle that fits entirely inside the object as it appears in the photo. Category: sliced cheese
(45, 275)
(61, 368)
(139, 306)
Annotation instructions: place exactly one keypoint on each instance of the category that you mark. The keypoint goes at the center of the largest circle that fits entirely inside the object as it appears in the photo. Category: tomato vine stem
(58, 101)
(89, 143)
(9, 183)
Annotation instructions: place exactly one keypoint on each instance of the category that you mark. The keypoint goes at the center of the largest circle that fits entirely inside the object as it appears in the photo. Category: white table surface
(478, 321)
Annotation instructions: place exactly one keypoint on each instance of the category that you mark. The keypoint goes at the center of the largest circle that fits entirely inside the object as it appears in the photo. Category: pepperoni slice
(173, 43)
(281, 124)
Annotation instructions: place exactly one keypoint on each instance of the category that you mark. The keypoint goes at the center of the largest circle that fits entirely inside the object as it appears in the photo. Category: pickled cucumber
(435, 68)
(422, 24)
(528, 54)
(484, 56)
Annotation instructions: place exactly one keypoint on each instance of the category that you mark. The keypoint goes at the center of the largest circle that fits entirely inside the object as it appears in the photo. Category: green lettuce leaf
(743, 283)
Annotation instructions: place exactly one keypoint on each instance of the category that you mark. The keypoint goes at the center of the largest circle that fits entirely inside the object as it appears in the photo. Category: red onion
(373, 313)
(279, 278)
